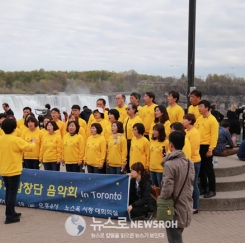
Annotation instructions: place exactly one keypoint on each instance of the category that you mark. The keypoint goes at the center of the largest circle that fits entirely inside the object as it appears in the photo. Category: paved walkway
(47, 226)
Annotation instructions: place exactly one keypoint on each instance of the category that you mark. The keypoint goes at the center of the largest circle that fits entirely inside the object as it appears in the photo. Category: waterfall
(18, 102)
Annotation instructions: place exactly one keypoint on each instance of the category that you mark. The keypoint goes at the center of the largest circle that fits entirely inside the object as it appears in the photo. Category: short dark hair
(32, 119)
(115, 113)
(103, 101)
(56, 109)
(98, 127)
(136, 95)
(206, 103)
(178, 126)
(119, 126)
(177, 138)
(11, 117)
(76, 124)
(8, 125)
(25, 120)
(3, 115)
(161, 130)
(151, 95)
(77, 107)
(225, 124)
(124, 97)
(190, 117)
(197, 93)
(6, 104)
(85, 107)
(27, 108)
(140, 127)
(175, 95)
(53, 123)
(48, 106)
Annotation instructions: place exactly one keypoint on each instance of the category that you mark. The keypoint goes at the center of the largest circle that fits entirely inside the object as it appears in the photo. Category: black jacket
(143, 197)
(85, 114)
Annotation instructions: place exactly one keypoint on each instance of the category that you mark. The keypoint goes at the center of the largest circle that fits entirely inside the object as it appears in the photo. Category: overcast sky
(150, 37)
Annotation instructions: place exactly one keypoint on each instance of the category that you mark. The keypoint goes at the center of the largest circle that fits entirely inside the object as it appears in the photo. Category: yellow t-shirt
(128, 126)
(194, 110)
(175, 113)
(208, 129)
(156, 157)
(73, 148)
(148, 116)
(194, 138)
(62, 128)
(117, 150)
(123, 113)
(20, 122)
(139, 151)
(187, 148)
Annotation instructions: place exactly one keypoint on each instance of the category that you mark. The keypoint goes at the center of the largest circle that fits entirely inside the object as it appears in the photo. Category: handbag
(165, 207)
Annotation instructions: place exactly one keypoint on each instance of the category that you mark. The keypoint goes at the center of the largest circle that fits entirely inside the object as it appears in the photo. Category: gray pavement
(48, 226)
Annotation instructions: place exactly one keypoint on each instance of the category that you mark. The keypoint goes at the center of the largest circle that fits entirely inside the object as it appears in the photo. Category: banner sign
(95, 195)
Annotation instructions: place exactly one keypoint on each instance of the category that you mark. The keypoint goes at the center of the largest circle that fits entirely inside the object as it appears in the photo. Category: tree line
(102, 81)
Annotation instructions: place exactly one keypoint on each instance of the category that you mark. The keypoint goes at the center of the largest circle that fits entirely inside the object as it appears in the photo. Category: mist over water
(18, 102)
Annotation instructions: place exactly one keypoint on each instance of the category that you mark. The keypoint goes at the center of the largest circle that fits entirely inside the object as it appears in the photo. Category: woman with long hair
(73, 148)
(140, 146)
(128, 124)
(140, 200)
(158, 145)
(31, 158)
(51, 148)
(117, 149)
(194, 137)
(95, 150)
(161, 117)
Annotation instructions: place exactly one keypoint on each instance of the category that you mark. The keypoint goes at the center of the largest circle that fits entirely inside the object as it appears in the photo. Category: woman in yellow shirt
(194, 137)
(31, 159)
(140, 147)
(158, 145)
(11, 150)
(51, 148)
(178, 126)
(129, 122)
(161, 117)
(73, 147)
(95, 150)
(117, 149)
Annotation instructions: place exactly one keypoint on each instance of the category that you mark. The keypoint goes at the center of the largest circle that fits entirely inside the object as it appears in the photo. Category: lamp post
(191, 47)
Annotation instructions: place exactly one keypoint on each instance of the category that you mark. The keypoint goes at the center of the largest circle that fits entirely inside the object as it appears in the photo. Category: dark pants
(115, 170)
(139, 211)
(31, 164)
(92, 169)
(51, 166)
(196, 192)
(72, 168)
(128, 156)
(11, 183)
(207, 170)
(174, 235)
(156, 178)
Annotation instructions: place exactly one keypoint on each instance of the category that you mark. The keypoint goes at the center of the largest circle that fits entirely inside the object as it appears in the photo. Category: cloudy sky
(150, 37)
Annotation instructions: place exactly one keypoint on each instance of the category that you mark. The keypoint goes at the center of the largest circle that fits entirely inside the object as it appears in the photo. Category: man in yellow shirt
(26, 112)
(75, 110)
(195, 98)
(208, 128)
(121, 107)
(55, 114)
(175, 112)
(147, 112)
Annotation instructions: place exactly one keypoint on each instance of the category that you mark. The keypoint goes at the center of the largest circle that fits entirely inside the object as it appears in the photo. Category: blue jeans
(92, 169)
(51, 166)
(11, 183)
(115, 170)
(31, 164)
(156, 178)
(196, 192)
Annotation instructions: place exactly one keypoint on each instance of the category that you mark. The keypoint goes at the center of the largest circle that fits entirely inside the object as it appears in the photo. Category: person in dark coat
(7, 110)
(85, 114)
(140, 200)
(219, 116)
